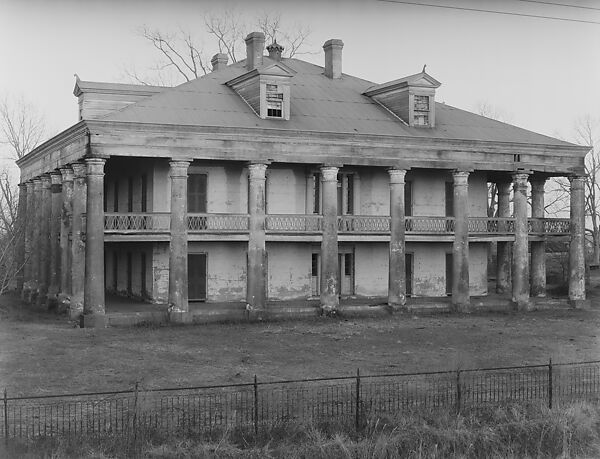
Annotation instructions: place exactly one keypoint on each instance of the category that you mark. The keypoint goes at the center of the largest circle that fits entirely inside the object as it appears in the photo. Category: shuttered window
(197, 193)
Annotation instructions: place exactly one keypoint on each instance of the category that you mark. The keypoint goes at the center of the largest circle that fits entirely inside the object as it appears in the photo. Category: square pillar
(94, 314)
(64, 296)
(55, 217)
(19, 234)
(520, 260)
(29, 222)
(36, 240)
(44, 242)
(538, 248)
(256, 288)
(397, 264)
(178, 244)
(79, 204)
(460, 248)
(577, 295)
(503, 256)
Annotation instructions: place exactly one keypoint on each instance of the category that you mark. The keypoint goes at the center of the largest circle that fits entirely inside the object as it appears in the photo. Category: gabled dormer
(412, 98)
(266, 90)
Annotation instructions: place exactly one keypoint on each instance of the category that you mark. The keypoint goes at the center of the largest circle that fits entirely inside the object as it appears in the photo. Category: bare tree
(22, 126)
(182, 57)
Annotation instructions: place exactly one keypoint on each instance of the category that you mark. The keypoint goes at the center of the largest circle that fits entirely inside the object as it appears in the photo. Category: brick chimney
(255, 45)
(275, 50)
(333, 58)
(219, 61)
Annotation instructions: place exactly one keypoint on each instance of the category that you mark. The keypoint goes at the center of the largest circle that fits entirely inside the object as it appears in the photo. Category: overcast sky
(541, 74)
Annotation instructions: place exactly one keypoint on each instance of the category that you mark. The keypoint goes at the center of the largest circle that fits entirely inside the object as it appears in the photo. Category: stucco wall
(289, 270)
(371, 268)
(226, 269)
(286, 190)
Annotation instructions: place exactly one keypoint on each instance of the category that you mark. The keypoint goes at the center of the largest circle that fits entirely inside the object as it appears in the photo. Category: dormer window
(412, 99)
(274, 101)
(421, 111)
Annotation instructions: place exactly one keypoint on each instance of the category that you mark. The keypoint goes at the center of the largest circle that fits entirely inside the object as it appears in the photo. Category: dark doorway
(449, 274)
(409, 262)
(197, 277)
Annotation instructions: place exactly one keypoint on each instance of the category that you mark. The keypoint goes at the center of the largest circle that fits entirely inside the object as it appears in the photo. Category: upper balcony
(298, 225)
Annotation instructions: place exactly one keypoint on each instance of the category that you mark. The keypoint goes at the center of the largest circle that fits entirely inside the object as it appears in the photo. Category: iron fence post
(550, 384)
(458, 391)
(255, 406)
(357, 399)
(5, 418)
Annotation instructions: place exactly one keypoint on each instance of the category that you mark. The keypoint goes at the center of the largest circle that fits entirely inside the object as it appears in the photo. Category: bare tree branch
(22, 127)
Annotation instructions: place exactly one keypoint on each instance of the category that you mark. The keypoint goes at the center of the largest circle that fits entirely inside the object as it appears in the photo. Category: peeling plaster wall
(289, 270)
(478, 275)
(286, 190)
(227, 187)
(226, 269)
(478, 194)
(371, 262)
(160, 272)
(161, 198)
(374, 191)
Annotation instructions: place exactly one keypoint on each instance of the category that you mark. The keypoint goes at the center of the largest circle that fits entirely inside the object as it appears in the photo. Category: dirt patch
(40, 353)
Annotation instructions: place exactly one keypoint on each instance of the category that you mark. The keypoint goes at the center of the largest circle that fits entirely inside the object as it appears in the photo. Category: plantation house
(276, 179)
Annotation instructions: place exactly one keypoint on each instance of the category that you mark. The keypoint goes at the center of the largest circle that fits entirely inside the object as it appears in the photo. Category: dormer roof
(277, 69)
(421, 80)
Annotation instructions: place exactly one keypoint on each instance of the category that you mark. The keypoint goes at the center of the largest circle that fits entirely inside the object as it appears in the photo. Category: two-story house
(276, 179)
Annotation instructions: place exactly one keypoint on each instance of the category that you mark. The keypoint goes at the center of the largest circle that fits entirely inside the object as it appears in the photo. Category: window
(345, 194)
(197, 193)
(116, 196)
(421, 110)
(130, 194)
(317, 194)
(144, 193)
(408, 198)
(143, 274)
(274, 101)
(129, 273)
(315, 274)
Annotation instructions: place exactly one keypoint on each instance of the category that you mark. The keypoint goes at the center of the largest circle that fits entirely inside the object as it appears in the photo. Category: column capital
(95, 166)
(257, 171)
(79, 170)
(55, 177)
(579, 179)
(397, 175)
(460, 176)
(66, 173)
(520, 179)
(329, 173)
(45, 179)
(179, 167)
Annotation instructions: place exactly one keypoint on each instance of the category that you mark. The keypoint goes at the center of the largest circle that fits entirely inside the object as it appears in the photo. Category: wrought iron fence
(430, 225)
(351, 399)
(370, 224)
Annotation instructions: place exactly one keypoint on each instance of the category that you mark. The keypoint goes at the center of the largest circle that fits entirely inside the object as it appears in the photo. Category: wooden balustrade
(159, 222)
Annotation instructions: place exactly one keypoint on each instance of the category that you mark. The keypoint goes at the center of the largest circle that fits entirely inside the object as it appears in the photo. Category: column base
(462, 307)
(180, 317)
(95, 321)
(329, 310)
(501, 289)
(580, 304)
(63, 303)
(522, 305)
(52, 301)
(75, 311)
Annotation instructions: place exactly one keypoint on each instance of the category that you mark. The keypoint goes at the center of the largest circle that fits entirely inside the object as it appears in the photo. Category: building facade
(276, 179)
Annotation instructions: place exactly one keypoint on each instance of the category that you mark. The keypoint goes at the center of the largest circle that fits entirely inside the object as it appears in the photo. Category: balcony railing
(364, 224)
(294, 223)
(159, 222)
(154, 222)
(217, 223)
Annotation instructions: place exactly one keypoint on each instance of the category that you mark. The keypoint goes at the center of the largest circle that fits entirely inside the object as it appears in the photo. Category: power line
(561, 4)
(506, 13)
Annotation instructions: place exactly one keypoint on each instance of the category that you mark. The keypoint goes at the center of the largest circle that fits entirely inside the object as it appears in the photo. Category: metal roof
(318, 104)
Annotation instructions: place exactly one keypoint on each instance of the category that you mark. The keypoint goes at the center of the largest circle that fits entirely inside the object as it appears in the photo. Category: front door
(409, 273)
(449, 274)
(346, 274)
(197, 276)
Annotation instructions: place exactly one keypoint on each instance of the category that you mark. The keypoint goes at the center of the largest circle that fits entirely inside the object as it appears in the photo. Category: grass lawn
(40, 353)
